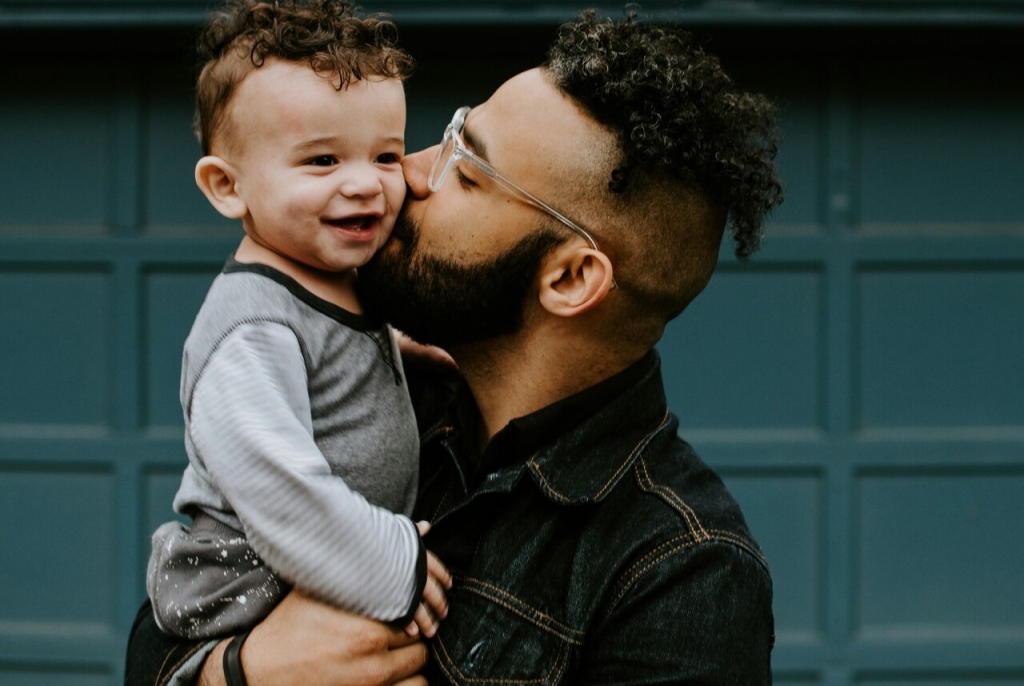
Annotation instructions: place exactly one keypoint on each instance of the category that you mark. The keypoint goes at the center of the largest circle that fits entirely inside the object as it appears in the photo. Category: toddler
(302, 444)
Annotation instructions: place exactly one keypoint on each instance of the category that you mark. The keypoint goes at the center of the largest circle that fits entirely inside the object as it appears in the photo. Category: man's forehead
(529, 121)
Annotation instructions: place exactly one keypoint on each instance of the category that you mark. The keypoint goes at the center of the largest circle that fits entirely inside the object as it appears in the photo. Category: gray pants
(205, 581)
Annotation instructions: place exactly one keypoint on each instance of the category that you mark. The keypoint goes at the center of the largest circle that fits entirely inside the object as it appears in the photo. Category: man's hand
(306, 642)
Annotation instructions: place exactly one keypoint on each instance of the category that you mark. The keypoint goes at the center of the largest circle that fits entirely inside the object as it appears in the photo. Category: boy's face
(319, 170)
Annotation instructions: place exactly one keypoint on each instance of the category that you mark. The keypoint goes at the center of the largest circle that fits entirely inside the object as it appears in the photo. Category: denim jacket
(589, 544)
(608, 554)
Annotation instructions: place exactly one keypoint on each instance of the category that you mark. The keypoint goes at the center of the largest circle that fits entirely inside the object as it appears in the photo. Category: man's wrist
(234, 675)
(212, 672)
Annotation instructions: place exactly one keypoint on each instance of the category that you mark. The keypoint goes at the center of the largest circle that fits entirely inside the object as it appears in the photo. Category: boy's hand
(434, 606)
(417, 354)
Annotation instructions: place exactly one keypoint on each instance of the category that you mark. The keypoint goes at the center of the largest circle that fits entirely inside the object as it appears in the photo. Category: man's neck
(514, 377)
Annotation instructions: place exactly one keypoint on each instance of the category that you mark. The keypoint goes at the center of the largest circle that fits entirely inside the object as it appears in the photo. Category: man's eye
(464, 180)
(322, 161)
(389, 158)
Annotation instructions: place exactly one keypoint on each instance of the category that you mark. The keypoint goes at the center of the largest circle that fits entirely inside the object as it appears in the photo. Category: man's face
(462, 261)
(319, 169)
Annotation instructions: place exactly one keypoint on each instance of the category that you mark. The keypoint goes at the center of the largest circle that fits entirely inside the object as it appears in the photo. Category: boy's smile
(317, 170)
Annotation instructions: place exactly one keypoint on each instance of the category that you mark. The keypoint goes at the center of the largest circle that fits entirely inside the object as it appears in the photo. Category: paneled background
(860, 383)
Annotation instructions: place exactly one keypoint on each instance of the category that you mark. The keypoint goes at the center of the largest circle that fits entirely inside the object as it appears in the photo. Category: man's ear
(216, 179)
(574, 279)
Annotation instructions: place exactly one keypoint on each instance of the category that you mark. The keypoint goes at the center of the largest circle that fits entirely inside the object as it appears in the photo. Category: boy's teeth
(353, 223)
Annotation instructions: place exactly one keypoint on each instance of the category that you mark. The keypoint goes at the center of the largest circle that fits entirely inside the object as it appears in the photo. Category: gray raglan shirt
(300, 432)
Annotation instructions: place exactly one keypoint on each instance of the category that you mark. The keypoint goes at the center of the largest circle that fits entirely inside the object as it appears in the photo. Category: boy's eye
(322, 161)
(389, 158)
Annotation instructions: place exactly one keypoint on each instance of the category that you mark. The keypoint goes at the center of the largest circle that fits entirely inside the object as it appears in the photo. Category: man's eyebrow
(474, 144)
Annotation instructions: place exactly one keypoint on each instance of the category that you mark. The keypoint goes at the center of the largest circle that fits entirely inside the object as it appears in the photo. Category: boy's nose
(416, 168)
(362, 184)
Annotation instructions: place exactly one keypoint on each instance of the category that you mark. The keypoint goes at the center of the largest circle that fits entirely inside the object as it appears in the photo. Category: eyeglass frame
(459, 151)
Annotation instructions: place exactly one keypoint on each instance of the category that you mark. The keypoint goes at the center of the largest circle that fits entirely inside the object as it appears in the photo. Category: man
(588, 543)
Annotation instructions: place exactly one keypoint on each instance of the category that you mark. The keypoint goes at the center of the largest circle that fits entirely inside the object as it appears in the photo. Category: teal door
(859, 384)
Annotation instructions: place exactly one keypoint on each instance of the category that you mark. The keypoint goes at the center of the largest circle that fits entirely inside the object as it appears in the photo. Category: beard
(440, 302)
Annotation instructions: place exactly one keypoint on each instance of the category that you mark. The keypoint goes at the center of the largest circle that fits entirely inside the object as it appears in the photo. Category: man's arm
(301, 642)
(701, 615)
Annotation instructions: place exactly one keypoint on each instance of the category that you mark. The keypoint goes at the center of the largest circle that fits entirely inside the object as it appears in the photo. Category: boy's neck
(337, 288)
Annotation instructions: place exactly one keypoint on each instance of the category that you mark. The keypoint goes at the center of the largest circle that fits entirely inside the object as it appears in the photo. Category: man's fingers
(406, 662)
(401, 638)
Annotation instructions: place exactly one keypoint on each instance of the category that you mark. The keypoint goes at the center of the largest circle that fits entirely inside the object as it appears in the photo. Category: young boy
(300, 434)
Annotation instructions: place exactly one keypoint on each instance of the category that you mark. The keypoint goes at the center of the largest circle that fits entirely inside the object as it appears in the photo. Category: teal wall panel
(57, 148)
(932, 550)
(172, 296)
(758, 369)
(60, 550)
(786, 513)
(941, 346)
(55, 335)
(170, 151)
(798, 88)
(47, 676)
(941, 680)
(941, 143)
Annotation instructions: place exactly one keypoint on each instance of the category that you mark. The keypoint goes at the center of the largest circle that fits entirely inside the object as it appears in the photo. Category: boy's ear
(574, 280)
(216, 179)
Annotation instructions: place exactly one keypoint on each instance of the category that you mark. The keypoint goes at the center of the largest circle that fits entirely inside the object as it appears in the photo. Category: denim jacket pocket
(492, 638)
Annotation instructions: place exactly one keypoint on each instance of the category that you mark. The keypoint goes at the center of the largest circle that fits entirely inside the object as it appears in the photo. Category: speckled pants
(205, 581)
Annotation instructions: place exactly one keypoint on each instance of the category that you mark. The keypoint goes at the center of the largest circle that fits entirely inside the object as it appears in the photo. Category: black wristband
(233, 674)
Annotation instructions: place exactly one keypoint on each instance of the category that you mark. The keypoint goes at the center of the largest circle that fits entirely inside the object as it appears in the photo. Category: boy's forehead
(292, 98)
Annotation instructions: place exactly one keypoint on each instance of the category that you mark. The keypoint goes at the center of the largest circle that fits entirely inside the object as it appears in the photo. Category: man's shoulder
(682, 504)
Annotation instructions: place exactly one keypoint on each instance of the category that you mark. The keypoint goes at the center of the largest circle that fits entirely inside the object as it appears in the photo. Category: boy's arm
(250, 423)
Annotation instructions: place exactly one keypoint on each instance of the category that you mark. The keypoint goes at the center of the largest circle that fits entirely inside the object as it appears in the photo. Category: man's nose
(416, 168)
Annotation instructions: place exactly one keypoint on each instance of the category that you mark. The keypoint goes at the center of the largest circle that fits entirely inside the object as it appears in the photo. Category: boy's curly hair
(326, 34)
(675, 112)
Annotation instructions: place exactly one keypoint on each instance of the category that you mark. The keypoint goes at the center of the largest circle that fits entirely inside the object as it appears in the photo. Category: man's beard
(441, 302)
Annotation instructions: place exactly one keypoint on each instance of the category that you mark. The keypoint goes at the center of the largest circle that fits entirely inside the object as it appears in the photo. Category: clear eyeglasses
(453, 148)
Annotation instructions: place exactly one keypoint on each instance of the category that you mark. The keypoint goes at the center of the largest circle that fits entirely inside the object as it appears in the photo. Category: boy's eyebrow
(329, 140)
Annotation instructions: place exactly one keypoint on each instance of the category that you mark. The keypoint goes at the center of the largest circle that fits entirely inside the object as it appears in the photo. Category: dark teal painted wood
(858, 384)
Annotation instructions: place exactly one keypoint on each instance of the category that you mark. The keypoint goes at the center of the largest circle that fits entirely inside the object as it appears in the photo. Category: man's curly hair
(675, 112)
(325, 34)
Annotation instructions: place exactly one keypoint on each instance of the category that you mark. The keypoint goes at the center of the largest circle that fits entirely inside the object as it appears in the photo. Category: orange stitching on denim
(642, 566)
(636, 450)
(552, 491)
(625, 463)
(557, 628)
(439, 642)
(640, 572)
(645, 482)
(440, 505)
(739, 542)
